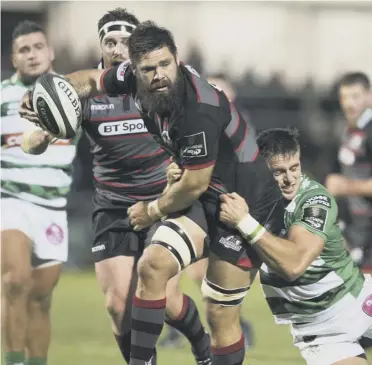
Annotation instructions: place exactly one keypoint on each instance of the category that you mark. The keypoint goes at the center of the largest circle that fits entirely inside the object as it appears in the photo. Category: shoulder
(5, 83)
(316, 195)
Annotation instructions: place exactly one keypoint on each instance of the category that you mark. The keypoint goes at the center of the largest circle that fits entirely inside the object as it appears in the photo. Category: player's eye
(164, 64)
(39, 46)
(110, 44)
(277, 173)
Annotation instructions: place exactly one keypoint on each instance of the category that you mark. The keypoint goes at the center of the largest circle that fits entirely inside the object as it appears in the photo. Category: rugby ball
(57, 105)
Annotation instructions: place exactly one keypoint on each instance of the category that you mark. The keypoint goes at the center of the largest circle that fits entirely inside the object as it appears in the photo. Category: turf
(82, 334)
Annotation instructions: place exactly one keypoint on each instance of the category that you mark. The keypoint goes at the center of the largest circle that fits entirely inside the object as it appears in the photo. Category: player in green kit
(308, 277)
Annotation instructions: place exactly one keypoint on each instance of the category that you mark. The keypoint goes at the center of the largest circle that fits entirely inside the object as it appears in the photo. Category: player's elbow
(293, 273)
(198, 188)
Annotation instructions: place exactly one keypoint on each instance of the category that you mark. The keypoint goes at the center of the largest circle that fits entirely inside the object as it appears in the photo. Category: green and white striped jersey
(330, 276)
(41, 179)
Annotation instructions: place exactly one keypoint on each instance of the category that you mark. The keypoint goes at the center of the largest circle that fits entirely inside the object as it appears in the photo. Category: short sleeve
(118, 80)
(317, 213)
(199, 138)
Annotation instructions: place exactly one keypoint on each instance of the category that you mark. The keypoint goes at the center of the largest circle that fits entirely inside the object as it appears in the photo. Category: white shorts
(335, 339)
(46, 228)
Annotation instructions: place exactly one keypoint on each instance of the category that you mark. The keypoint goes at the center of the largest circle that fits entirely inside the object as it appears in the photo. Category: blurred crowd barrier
(283, 58)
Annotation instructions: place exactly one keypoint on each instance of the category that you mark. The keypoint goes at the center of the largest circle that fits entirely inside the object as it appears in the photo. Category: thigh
(229, 245)
(184, 235)
(44, 280)
(115, 274)
(15, 255)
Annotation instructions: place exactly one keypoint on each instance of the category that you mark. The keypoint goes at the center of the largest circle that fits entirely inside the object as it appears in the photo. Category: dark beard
(160, 102)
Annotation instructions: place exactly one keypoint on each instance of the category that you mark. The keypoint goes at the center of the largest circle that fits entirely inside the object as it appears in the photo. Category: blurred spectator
(352, 177)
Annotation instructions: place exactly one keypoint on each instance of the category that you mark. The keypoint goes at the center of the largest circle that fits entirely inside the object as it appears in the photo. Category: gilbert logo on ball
(57, 105)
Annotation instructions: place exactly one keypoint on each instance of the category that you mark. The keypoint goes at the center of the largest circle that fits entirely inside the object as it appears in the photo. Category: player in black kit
(129, 166)
(194, 122)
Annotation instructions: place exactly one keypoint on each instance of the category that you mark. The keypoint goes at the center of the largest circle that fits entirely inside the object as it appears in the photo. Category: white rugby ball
(57, 105)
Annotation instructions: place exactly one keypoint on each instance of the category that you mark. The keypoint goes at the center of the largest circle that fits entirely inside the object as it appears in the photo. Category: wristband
(250, 229)
(154, 211)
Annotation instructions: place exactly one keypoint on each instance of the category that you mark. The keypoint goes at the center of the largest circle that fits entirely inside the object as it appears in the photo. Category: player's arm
(289, 258)
(198, 149)
(90, 83)
(339, 185)
(35, 141)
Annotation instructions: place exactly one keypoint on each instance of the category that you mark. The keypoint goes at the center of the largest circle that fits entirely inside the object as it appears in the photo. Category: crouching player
(308, 277)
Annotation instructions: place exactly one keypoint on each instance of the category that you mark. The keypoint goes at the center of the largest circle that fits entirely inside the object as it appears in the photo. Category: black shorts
(113, 233)
(259, 189)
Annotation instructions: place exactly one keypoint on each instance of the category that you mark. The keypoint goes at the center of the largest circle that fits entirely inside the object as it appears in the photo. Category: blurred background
(284, 60)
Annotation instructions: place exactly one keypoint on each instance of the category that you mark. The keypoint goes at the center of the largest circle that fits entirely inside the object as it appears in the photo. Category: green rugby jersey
(330, 276)
(41, 179)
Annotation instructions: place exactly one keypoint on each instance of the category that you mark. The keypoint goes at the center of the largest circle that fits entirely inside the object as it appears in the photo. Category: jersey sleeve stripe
(232, 127)
(206, 93)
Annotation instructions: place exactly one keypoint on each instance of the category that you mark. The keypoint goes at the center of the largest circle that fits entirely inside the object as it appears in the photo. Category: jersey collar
(364, 119)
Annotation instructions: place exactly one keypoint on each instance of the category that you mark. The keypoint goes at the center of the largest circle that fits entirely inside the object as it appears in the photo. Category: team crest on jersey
(194, 146)
(315, 218)
(54, 234)
(232, 242)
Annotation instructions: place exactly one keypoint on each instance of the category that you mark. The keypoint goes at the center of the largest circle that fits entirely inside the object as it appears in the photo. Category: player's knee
(16, 283)
(115, 305)
(40, 303)
(156, 265)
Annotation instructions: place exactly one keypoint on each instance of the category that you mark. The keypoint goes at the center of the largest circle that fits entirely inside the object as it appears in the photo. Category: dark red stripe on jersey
(116, 118)
(233, 126)
(101, 83)
(242, 142)
(255, 155)
(121, 185)
(205, 92)
(157, 166)
(158, 152)
(199, 167)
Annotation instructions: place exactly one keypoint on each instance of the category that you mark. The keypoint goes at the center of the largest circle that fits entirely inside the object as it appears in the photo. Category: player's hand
(233, 208)
(337, 185)
(174, 173)
(26, 110)
(138, 216)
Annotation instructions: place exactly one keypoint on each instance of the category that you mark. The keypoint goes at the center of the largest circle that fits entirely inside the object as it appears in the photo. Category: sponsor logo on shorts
(122, 127)
(54, 234)
(367, 306)
(98, 248)
(102, 107)
(232, 242)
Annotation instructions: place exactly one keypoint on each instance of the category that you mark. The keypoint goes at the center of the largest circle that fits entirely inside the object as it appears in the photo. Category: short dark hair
(26, 27)
(278, 141)
(118, 14)
(148, 37)
(352, 78)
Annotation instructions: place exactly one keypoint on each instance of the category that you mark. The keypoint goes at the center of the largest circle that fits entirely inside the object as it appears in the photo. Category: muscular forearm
(86, 83)
(177, 197)
(280, 255)
(283, 256)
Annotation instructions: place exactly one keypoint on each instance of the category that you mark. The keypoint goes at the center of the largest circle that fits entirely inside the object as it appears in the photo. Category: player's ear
(134, 70)
(14, 61)
(51, 53)
(177, 60)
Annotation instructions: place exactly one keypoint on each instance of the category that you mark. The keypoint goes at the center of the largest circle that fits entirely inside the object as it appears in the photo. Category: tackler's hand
(233, 208)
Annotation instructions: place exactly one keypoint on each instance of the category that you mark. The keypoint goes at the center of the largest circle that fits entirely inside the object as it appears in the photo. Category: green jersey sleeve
(317, 212)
